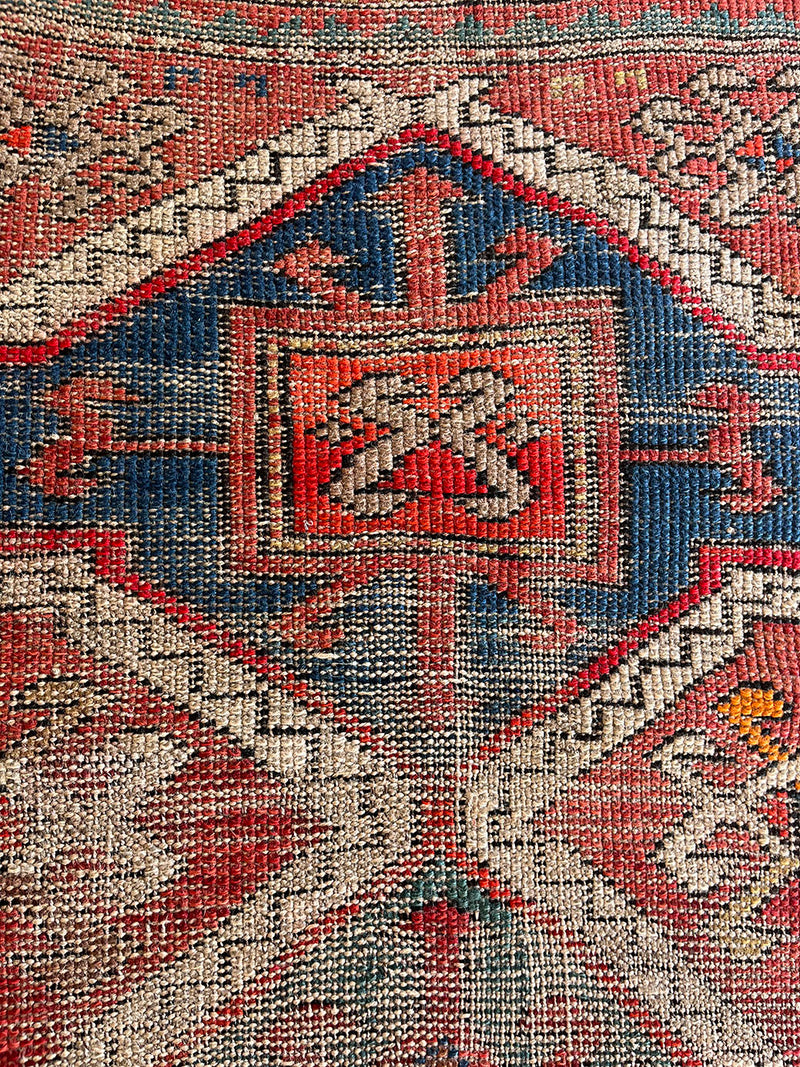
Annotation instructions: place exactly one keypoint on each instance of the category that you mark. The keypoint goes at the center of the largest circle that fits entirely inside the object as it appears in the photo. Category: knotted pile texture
(399, 533)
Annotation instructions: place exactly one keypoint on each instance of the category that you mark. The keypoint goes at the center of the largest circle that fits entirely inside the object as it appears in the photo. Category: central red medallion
(473, 424)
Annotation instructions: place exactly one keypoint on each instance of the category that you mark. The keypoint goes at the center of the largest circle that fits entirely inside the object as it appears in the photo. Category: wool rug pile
(399, 533)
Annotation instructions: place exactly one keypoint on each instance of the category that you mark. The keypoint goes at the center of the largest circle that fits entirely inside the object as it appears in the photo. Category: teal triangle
(335, 34)
(770, 23)
(102, 12)
(231, 28)
(285, 35)
(400, 34)
(165, 19)
(531, 30)
(715, 22)
(593, 24)
(657, 20)
(472, 31)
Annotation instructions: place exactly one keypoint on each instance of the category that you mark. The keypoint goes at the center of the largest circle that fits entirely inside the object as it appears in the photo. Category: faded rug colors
(399, 533)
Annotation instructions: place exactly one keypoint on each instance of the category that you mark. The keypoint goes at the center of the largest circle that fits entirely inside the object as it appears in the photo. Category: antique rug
(399, 533)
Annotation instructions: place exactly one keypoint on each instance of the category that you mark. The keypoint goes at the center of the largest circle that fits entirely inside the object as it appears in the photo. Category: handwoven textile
(399, 533)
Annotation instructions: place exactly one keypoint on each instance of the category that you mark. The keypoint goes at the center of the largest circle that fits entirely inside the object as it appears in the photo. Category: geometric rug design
(399, 534)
